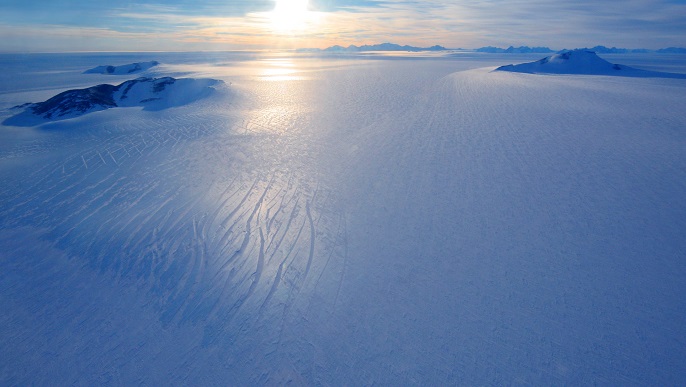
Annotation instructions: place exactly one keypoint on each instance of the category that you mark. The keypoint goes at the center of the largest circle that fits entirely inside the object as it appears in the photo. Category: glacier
(345, 220)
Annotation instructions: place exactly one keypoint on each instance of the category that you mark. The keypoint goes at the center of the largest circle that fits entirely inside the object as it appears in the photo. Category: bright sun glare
(290, 16)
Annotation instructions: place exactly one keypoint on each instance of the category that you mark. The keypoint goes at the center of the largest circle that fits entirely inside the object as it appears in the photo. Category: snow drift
(584, 62)
(131, 68)
(151, 93)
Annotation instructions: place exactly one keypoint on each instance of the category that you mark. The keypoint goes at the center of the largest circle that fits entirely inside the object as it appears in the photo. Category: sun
(291, 6)
(290, 16)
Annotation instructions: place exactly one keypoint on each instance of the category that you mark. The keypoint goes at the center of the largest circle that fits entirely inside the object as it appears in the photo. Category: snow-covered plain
(346, 220)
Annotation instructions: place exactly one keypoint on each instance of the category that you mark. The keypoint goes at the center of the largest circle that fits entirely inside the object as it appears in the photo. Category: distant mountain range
(375, 47)
(490, 49)
(615, 50)
(515, 50)
(597, 49)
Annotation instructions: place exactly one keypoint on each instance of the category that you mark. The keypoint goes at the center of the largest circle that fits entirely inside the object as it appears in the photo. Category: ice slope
(126, 69)
(391, 222)
(582, 61)
(151, 93)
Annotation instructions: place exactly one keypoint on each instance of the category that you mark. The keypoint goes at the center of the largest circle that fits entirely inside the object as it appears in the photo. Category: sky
(189, 25)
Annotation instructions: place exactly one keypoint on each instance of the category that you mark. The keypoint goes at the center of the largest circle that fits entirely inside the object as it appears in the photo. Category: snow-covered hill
(151, 93)
(581, 61)
(126, 69)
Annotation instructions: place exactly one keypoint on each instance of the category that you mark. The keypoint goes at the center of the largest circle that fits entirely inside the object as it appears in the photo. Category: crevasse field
(357, 220)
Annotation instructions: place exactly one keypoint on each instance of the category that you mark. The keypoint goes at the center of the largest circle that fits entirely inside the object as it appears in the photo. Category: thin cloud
(468, 23)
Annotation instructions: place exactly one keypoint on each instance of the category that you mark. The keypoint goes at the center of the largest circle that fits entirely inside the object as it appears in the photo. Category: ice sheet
(330, 220)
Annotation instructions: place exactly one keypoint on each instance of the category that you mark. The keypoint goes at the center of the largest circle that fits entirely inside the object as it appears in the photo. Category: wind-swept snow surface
(582, 61)
(350, 222)
(132, 68)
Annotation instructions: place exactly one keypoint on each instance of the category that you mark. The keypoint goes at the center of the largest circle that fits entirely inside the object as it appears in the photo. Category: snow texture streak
(347, 221)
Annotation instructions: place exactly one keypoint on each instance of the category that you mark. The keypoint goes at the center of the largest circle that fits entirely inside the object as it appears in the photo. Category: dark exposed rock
(123, 69)
(160, 84)
(81, 100)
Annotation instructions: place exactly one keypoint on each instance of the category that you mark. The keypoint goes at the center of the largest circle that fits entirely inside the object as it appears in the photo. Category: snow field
(384, 221)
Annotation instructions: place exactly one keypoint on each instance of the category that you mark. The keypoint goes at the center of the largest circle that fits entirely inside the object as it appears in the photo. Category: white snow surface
(165, 92)
(347, 221)
(582, 61)
(131, 68)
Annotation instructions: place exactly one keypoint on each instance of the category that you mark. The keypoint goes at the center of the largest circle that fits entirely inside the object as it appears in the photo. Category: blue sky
(106, 25)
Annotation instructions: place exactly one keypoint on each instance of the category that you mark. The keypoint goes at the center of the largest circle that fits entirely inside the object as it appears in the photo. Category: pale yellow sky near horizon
(182, 25)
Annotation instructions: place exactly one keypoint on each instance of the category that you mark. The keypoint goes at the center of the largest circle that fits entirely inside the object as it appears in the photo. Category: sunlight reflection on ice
(279, 69)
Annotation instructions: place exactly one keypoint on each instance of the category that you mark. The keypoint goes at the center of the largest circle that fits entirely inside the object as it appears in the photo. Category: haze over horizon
(183, 25)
